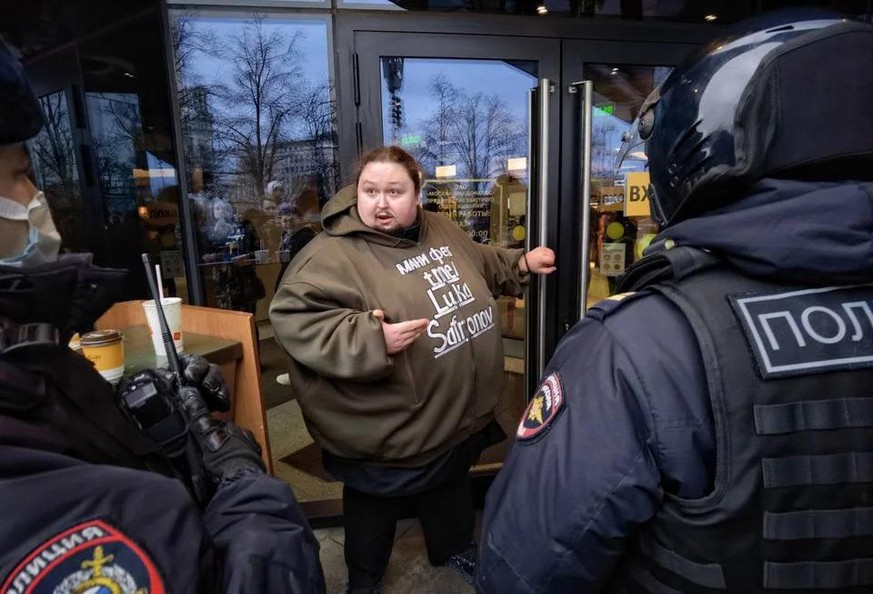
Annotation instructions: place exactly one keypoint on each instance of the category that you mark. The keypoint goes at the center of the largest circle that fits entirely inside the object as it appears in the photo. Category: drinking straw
(160, 282)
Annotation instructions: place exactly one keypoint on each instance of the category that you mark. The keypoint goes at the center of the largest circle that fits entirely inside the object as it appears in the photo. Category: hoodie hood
(340, 217)
(809, 232)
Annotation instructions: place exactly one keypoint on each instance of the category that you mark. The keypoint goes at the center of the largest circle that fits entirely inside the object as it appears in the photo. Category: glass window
(132, 156)
(466, 123)
(260, 145)
(56, 171)
(621, 228)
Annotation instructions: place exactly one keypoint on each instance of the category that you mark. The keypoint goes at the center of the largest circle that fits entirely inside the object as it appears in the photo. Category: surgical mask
(42, 242)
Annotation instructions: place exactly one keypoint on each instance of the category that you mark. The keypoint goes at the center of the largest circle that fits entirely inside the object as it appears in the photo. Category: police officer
(712, 428)
(82, 509)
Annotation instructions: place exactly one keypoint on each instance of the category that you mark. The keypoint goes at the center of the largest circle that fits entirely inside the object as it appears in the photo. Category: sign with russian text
(636, 194)
(808, 331)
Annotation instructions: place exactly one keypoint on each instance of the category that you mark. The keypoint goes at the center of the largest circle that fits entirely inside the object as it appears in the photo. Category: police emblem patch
(90, 558)
(542, 409)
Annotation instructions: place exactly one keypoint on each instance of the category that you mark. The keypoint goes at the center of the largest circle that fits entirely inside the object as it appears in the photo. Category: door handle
(546, 87)
(587, 88)
(533, 160)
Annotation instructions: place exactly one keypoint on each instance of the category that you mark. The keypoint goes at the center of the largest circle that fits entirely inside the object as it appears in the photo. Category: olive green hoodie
(407, 409)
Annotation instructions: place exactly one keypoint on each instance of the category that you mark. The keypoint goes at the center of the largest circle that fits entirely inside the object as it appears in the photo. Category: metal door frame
(369, 46)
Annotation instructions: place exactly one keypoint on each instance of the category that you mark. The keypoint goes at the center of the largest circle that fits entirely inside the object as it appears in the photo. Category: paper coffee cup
(76, 342)
(105, 348)
(173, 311)
(261, 256)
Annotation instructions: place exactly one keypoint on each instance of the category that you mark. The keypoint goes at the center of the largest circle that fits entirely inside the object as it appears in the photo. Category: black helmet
(20, 114)
(784, 94)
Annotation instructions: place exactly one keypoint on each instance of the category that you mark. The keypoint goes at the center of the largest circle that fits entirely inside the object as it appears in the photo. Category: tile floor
(408, 571)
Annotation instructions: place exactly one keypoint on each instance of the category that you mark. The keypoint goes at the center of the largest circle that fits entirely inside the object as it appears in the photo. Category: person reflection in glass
(223, 222)
(396, 360)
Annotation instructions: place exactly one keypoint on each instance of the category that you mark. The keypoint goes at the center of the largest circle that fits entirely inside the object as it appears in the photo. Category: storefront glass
(259, 138)
(53, 160)
(466, 123)
(131, 153)
(621, 222)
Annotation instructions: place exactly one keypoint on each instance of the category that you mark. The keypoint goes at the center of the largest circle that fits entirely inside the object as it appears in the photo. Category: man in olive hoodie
(397, 360)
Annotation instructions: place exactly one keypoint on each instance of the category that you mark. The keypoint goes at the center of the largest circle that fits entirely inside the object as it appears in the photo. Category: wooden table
(139, 353)
(226, 338)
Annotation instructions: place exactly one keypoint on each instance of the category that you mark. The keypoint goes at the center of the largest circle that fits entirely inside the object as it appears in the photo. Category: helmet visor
(632, 153)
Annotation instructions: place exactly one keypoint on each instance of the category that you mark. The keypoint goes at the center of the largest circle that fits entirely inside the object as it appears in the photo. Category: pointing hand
(400, 335)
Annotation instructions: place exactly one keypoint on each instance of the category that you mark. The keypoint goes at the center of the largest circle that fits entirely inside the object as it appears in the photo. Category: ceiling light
(710, 18)
(541, 9)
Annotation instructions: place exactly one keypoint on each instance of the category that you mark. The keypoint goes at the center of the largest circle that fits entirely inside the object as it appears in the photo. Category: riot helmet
(20, 113)
(785, 95)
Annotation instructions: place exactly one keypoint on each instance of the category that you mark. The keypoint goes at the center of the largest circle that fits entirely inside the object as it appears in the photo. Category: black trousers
(446, 514)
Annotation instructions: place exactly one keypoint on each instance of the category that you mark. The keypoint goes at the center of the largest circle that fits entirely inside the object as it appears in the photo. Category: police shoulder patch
(92, 557)
(542, 409)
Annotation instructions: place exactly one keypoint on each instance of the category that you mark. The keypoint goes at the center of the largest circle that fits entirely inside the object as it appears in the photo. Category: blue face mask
(43, 240)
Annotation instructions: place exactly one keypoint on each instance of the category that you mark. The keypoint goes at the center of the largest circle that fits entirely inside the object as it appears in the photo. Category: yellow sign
(636, 195)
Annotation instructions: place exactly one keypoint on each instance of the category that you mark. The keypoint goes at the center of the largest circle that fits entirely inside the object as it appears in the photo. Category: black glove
(199, 373)
(162, 407)
(226, 448)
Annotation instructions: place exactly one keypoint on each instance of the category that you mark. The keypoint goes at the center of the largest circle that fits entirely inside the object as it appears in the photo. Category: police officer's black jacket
(80, 512)
(711, 431)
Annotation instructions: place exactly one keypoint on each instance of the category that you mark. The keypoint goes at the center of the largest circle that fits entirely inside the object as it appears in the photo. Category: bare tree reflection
(56, 171)
(253, 116)
(475, 131)
(53, 151)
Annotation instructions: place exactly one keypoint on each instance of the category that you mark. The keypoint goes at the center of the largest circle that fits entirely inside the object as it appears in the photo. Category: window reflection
(117, 141)
(53, 161)
(260, 145)
(466, 121)
(134, 200)
(620, 228)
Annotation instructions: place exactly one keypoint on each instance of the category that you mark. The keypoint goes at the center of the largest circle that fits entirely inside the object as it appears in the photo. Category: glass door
(476, 113)
(606, 222)
(60, 157)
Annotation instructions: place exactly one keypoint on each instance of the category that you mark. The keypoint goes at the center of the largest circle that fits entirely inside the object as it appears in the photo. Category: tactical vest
(790, 377)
